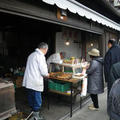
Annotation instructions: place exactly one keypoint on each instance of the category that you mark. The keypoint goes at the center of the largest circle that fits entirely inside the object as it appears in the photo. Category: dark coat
(111, 57)
(95, 76)
(114, 73)
(114, 101)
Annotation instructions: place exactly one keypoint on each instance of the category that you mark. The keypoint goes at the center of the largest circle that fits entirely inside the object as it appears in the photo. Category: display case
(76, 70)
(67, 68)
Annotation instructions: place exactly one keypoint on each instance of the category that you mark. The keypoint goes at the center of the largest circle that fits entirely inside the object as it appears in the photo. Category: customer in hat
(95, 78)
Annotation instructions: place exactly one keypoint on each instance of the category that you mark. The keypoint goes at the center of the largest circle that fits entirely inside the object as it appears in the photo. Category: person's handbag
(84, 87)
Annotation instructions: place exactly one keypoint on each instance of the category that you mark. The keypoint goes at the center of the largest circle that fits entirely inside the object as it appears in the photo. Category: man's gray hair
(43, 45)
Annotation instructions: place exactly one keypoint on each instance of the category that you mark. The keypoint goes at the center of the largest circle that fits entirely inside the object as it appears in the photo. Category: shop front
(19, 37)
(23, 25)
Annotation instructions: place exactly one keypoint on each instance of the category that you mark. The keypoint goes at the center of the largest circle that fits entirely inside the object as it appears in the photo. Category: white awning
(76, 7)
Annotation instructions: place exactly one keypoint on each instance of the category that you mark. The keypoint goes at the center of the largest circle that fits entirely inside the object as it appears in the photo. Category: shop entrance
(19, 36)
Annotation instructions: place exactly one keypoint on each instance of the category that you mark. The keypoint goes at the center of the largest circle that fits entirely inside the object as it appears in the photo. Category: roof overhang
(77, 8)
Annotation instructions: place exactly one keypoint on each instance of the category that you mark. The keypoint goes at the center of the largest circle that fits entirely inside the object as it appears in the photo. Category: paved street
(86, 114)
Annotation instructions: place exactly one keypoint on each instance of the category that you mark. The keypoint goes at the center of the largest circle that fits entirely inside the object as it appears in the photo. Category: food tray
(79, 76)
(60, 75)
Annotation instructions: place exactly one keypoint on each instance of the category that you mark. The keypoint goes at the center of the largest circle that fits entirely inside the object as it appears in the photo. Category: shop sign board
(117, 3)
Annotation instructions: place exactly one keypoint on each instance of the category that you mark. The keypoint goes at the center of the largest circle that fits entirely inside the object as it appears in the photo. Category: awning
(75, 7)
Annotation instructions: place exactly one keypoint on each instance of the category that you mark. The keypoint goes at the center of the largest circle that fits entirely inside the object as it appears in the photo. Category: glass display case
(67, 68)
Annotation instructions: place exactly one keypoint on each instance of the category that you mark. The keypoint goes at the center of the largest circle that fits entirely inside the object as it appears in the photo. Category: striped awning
(75, 7)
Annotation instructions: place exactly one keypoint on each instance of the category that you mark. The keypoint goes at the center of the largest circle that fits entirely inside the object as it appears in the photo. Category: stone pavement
(86, 114)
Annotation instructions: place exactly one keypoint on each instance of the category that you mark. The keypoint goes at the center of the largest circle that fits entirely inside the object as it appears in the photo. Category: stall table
(71, 81)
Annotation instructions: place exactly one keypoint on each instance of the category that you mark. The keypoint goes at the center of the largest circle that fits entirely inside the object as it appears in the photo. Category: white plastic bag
(84, 87)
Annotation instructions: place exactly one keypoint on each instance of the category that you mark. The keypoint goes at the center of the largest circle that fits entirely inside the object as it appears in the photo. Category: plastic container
(52, 85)
(58, 86)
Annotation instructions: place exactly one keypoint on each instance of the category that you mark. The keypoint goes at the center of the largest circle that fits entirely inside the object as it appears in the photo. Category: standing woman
(95, 78)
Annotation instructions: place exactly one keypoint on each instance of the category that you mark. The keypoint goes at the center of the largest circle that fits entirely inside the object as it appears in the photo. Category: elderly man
(36, 69)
